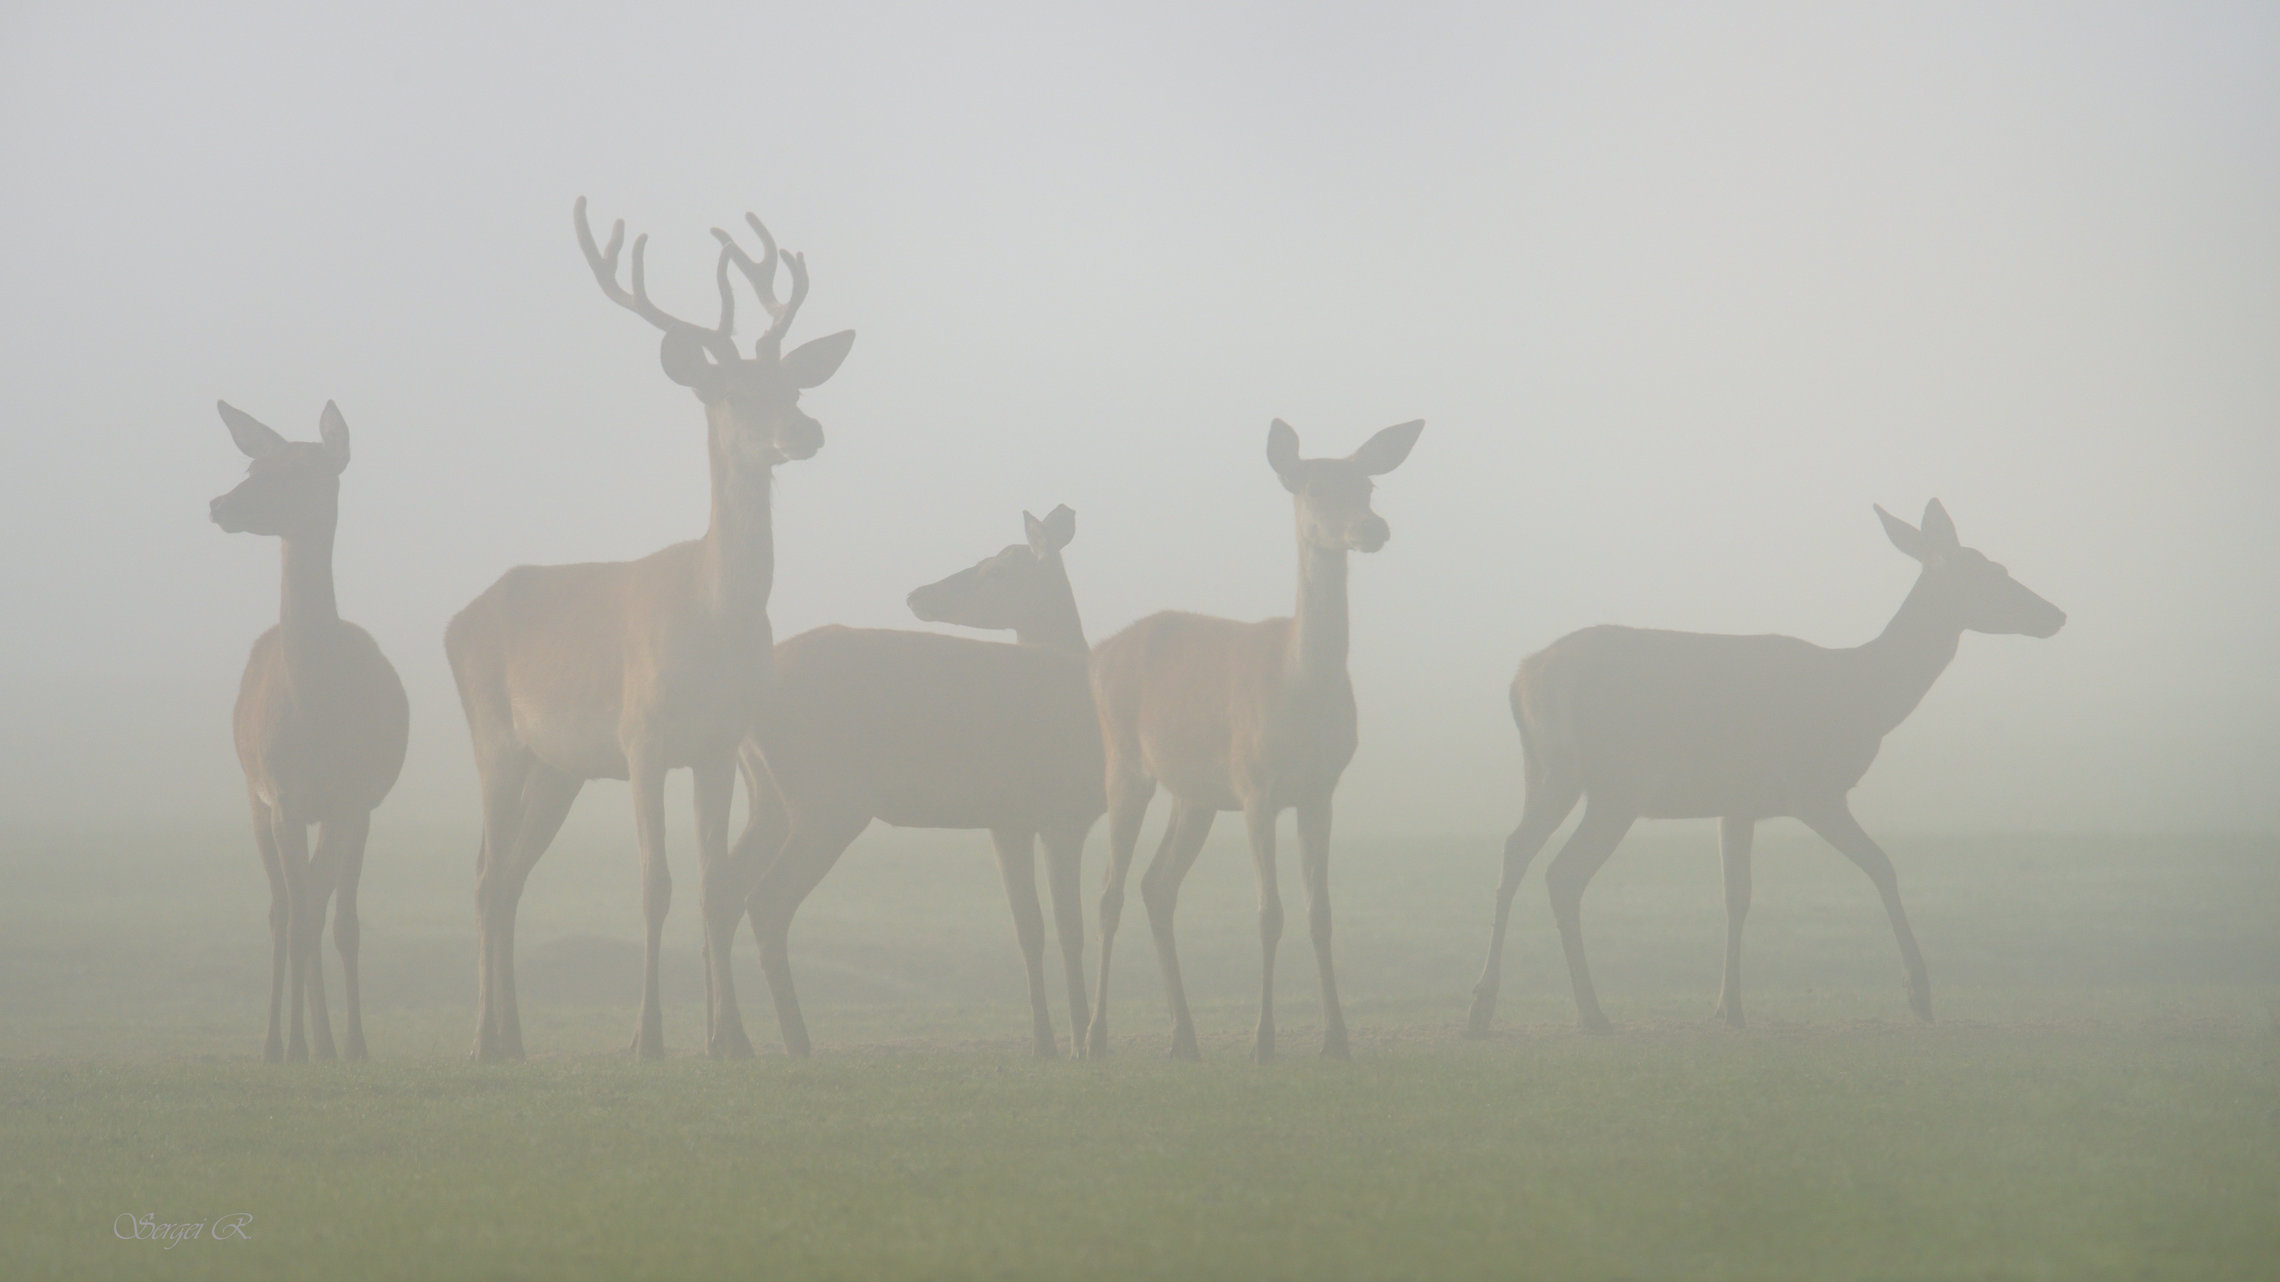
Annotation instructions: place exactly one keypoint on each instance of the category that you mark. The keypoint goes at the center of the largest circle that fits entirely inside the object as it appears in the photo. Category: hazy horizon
(1679, 294)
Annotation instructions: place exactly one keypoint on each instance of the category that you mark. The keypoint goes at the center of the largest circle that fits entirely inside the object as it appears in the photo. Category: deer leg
(720, 902)
(547, 797)
(1017, 867)
(1547, 806)
(1314, 868)
(344, 839)
(1160, 890)
(646, 772)
(1128, 799)
(1734, 835)
(1838, 827)
(812, 846)
(1586, 850)
(280, 924)
(1064, 867)
(292, 840)
(316, 892)
(1259, 824)
(503, 774)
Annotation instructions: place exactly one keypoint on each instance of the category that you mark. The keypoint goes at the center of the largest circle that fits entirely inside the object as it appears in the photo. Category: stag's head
(1334, 493)
(291, 488)
(1018, 589)
(752, 402)
(1980, 595)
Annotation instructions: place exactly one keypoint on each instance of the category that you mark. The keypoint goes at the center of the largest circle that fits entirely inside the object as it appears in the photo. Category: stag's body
(320, 727)
(922, 730)
(1680, 725)
(626, 670)
(1257, 717)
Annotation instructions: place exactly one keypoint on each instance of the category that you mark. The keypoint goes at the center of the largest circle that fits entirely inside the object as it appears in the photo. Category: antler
(720, 338)
(762, 274)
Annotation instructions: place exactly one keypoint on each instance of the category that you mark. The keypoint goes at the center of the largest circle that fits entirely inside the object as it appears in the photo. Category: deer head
(1334, 493)
(1978, 594)
(291, 488)
(1018, 589)
(752, 402)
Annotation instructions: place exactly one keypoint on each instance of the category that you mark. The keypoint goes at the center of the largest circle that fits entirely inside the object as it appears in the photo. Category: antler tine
(604, 263)
(762, 274)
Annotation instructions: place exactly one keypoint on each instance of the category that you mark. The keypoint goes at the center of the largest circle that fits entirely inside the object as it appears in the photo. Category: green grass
(2100, 1098)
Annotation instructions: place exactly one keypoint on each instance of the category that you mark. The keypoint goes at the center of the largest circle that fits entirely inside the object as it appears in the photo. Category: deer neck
(1908, 656)
(307, 614)
(1057, 626)
(739, 547)
(1318, 631)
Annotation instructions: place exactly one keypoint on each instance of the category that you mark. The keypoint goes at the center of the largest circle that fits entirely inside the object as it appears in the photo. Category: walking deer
(1676, 725)
(1253, 717)
(320, 725)
(628, 669)
(923, 730)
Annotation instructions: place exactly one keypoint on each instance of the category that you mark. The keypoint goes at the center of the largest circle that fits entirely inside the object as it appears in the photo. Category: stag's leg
(292, 841)
(1128, 798)
(1017, 867)
(1547, 806)
(1588, 847)
(546, 797)
(280, 924)
(813, 845)
(1734, 836)
(344, 840)
(1314, 868)
(645, 770)
(1259, 824)
(1160, 890)
(1064, 866)
(720, 902)
(502, 774)
(1838, 827)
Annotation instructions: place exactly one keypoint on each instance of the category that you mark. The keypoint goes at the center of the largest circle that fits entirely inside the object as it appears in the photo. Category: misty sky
(1680, 294)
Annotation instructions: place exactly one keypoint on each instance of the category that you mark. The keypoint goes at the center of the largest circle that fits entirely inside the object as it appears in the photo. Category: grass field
(2100, 1098)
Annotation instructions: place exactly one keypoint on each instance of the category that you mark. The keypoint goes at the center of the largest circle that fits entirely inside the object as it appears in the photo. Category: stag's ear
(254, 438)
(1939, 531)
(818, 359)
(687, 363)
(1384, 452)
(1050, 535)
(334, 431)
(1282, 453)
(1904, 536)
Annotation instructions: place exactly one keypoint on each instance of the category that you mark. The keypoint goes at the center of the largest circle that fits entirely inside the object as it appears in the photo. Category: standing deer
(1679, 725)
(320, 724)
(923, 730)
(628, 669)
(1242, 716)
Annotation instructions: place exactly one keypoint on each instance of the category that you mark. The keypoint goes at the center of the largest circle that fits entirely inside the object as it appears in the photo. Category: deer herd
(629, 669)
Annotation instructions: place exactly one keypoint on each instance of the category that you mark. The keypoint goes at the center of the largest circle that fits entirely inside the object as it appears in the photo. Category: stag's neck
(739, 548)
(1057, 627)
(1318, 631)
(1907, 657)
(307, 614)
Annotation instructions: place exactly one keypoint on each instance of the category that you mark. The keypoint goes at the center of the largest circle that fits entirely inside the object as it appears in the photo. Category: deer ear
(254, 438)
(1904, 536)
(817, 359)
(1050, 535)
(1384, 452)
(1939, 531)
(1282, 453)
(334, 430)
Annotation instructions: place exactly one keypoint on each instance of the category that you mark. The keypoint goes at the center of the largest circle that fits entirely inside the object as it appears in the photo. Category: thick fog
(1679, 294)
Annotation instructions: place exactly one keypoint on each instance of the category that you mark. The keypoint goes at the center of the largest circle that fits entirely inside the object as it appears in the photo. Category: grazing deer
(1242, 716)
(1679, 725)
(628, 669)
(320, 724)
(923, 730)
